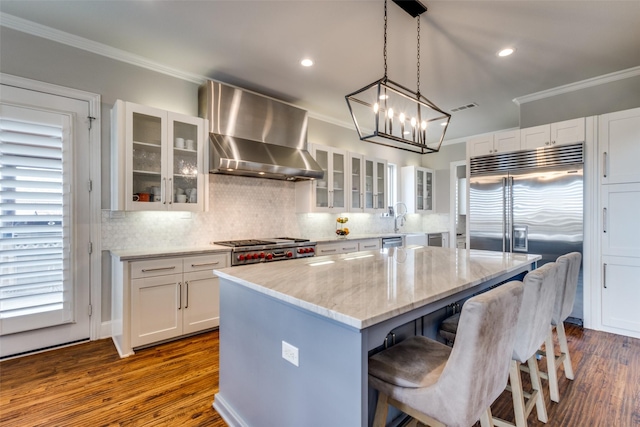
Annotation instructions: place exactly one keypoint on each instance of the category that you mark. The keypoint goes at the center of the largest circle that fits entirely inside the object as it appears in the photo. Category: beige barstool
(569, 269)
(438, 385)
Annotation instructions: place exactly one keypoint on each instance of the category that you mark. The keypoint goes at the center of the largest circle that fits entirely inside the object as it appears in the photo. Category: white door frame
(95, 286)
(453, 200)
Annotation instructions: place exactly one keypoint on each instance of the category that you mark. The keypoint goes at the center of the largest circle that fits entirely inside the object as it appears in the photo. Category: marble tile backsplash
(239, 208)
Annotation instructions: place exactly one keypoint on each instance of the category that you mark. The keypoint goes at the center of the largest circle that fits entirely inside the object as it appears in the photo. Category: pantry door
(45, 221)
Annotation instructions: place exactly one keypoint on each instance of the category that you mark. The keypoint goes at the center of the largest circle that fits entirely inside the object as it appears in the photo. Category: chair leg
(552, 373)
(382, 408)
(517, 394)
(564, 348)
(541, 409)
(486, 419)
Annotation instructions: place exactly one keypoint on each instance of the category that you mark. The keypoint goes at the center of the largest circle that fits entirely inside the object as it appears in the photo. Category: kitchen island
(325, 314)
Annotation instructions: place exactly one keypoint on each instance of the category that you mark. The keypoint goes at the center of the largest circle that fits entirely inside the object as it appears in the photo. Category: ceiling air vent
(464, 107)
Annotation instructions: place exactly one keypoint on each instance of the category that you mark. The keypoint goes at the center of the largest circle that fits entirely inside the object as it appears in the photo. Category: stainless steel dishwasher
(435, 239)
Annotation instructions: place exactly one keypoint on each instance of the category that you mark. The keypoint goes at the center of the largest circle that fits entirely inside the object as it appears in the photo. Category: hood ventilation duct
(254, 135)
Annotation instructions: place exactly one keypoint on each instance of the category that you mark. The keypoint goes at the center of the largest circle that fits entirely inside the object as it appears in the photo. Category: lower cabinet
(620, 293)
(345, 247)
(165, 298)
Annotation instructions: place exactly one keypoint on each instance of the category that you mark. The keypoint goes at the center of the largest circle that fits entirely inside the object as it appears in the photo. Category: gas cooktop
(252, 251)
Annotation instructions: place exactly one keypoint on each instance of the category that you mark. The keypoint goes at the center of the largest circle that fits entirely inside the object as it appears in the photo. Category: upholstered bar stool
(569, 269)
(532, 330)
(442, 386)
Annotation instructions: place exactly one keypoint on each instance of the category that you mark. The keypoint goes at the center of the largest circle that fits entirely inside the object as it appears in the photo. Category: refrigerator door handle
(504, 214)
(511, 227)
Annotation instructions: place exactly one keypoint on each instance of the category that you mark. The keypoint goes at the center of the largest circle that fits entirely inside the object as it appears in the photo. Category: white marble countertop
(364, 288)
(145, 253)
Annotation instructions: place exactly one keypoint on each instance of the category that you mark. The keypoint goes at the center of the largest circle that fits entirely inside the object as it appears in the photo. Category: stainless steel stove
(253, 251)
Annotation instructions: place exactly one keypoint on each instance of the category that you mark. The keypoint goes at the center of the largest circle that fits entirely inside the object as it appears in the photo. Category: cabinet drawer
(156, 267)
(206, 262)
(369, 245)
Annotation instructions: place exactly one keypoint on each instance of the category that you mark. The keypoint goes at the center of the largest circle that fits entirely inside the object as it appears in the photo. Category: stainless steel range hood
(254, 135)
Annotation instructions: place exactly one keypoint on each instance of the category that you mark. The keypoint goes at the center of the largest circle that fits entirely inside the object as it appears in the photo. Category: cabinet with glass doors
(157, 159)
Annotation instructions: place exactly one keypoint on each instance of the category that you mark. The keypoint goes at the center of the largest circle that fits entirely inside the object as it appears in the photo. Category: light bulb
(413, 121)
(390, 113)
(423, 125)
(375, 107)
(401, 117)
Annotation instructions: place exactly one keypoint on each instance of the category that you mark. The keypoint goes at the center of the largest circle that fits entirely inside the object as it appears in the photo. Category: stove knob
(256, 256)
(307, 250)
(262, 255)
(269, 256)
(300, 250)
(289, 254)
(311, 250)
(240, 257)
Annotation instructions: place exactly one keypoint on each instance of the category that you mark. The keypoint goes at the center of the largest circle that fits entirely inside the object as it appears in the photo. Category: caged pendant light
(387, 113)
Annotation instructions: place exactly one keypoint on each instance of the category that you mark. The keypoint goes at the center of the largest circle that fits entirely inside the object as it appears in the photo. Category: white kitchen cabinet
(157, 159)
(369, 245)
(333, 248)
(154, 300)
(621, 293)
(620, 224)
(330, 193)
(368, 184)
(418, 186)
(619, 146)
(500, 142)
(566, 132)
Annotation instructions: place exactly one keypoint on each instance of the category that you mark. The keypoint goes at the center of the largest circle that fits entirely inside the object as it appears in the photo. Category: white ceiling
(259, 44)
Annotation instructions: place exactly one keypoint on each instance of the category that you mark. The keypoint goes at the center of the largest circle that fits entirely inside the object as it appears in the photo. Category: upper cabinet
(418, 185)
(368, 184)
(567, 132)
(619, 146)
(500, 142)
(330, 193)
(157, 159)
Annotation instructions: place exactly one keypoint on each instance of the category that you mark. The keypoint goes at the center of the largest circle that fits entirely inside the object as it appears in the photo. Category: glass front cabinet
(418, 185)
(368, 184)
(330, 193)
(158, 159)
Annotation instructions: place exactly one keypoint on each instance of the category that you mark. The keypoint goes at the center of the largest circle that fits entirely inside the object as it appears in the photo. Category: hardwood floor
(174, 384)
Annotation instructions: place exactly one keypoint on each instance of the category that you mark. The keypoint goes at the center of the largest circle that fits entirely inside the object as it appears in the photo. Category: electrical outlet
(290, 353)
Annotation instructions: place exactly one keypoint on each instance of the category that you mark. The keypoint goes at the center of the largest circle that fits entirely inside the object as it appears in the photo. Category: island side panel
(259, 388)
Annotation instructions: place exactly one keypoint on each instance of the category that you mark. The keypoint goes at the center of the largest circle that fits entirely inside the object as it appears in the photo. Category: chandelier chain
(385, 39)
(418, 57)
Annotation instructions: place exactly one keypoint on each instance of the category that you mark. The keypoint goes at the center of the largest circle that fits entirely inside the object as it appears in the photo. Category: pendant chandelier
(387, 113)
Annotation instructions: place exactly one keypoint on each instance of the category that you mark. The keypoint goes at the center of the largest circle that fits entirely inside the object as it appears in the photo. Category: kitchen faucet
(399, 215)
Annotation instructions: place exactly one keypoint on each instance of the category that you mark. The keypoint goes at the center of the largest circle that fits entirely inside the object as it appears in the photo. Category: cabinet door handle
(146, 270)
(328, 250)
(179, 295)
(186, 305)
(604, 164)
(163, 190)
(604, 275)
(205, 263)
(370, 246)
(170, 188)
(604, 220)
(353, 248)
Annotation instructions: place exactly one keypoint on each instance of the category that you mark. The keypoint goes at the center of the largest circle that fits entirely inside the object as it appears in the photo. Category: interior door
(44, 199)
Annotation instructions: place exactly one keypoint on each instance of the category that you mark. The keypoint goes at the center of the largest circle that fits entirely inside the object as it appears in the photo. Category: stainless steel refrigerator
(529, 201)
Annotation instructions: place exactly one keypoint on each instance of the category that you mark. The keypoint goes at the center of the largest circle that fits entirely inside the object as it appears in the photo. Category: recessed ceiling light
(506, 51)
(306, 62)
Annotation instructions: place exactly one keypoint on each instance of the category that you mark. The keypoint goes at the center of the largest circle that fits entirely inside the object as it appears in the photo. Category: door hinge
(90, 185)
(91, 119)
(90, 310)
(90, 249)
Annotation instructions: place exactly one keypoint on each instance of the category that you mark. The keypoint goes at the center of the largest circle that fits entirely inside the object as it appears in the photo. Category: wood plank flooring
(174, 384)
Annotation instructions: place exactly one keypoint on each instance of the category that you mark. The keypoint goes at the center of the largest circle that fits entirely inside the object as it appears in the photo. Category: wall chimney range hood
(254, 135)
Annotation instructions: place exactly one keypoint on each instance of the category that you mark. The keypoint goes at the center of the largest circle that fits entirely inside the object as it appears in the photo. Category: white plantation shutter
(35, 285)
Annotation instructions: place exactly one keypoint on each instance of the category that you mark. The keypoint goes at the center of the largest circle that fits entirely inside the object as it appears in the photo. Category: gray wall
(606, 98)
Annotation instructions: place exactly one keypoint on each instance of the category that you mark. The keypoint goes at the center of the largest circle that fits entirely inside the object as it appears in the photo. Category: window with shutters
(35, 220)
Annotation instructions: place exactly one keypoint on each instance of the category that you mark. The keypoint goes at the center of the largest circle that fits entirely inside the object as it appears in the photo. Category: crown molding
(49, 33)
(583, 84)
